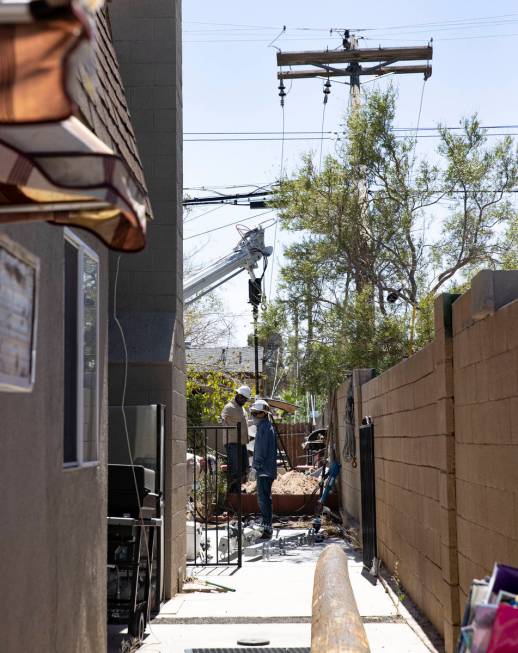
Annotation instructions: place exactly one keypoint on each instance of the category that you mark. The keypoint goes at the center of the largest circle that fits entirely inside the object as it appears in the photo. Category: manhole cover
(282, 649)
(251, 641)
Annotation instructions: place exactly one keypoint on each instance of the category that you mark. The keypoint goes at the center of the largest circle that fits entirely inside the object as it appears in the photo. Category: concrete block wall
(147, 40)
(486, 418)
(412, 409)
(446, 451)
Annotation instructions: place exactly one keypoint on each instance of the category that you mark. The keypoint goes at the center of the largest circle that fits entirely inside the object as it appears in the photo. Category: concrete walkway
(273, 601)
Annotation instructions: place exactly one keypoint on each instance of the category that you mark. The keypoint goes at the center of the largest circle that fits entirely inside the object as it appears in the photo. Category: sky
(230, 87)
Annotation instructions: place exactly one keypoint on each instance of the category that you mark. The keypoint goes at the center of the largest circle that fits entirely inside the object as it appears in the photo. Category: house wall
(446, 451)
(147, 40)
(53, 533)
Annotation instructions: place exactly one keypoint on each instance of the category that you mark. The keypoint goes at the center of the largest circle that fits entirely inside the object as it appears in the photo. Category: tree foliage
(205, 324)
(207, 392)
(381, 233)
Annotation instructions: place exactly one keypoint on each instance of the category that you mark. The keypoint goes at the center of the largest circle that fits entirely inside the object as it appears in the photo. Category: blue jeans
(264, 497)
(234, 481)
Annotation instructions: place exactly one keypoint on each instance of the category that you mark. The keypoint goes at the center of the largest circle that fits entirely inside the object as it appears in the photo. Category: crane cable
(281, 175)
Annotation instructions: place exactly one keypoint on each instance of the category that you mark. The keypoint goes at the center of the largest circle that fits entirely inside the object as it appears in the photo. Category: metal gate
(368, 487)
(217, 464)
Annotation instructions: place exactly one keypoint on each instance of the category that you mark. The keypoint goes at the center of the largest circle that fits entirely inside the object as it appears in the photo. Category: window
(81, 329)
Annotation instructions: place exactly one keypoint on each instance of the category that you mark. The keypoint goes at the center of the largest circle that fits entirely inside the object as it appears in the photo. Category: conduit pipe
(336, 625)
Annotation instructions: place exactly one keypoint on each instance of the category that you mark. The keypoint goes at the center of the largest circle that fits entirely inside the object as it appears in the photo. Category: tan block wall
(150, 383)
(446, 451)
(147, 38)
(486, 418)
(412, 410)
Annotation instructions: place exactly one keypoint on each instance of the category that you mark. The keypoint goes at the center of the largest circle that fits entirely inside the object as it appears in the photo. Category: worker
(264, 462)
(232, 415)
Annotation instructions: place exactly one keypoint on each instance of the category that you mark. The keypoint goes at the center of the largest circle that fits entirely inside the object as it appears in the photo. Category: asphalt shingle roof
(107, 113)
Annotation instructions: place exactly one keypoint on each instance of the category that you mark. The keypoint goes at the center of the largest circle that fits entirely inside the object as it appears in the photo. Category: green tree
(382, 232)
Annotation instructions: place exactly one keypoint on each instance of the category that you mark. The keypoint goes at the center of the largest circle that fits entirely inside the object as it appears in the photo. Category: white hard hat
(260, 405)
(245, 391)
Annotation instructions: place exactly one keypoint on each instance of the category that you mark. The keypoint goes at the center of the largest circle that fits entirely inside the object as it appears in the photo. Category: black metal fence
(217, 465)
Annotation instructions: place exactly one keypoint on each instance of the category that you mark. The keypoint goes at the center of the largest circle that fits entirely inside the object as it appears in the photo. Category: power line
(237, 29)
(281, 175)
(437, 23)
(222, 314)
(229, 224)
(254, 133)
(417, 124)
(228, 187)
(220, 197)
(337, 138)
(227, 140)
(334, 33)
(251, 133)
(382, 36)
(394, 36)
(202, 214)
(453, 21)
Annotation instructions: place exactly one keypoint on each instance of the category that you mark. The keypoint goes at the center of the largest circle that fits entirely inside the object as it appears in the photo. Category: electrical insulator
(282, 92)
(327, 90)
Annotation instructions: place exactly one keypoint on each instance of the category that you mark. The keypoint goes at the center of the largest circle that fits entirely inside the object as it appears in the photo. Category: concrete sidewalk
(273, 600)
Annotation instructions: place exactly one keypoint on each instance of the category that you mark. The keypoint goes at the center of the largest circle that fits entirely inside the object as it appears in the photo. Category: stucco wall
(147, 40)
(53, 532)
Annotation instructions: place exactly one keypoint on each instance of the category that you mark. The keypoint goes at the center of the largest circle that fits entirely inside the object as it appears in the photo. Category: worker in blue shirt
(264, 462)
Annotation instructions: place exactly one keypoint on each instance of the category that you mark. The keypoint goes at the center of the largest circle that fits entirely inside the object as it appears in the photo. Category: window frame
(82, 250)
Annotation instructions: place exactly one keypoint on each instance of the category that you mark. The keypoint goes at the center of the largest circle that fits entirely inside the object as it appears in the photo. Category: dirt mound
(290, 483)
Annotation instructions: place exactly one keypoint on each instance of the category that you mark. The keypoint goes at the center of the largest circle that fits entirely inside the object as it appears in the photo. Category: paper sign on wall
(18, 312)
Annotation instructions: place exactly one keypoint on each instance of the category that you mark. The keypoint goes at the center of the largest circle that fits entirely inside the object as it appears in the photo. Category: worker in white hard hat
(265, 462)
(232, 415)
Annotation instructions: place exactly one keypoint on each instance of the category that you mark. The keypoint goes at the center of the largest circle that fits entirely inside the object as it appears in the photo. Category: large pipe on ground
(336, 625)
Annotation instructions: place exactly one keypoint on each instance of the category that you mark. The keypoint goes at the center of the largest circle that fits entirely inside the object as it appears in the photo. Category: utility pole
(380, 62)
(255, 298)
(351, 43)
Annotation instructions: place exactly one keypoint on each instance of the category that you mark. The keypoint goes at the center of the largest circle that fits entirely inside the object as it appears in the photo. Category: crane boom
(245, 256)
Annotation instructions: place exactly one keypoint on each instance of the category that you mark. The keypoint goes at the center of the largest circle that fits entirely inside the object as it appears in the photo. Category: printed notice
(18, 306)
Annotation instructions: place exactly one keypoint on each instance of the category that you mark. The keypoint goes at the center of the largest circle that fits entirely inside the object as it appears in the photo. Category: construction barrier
(336, 625)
